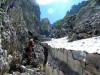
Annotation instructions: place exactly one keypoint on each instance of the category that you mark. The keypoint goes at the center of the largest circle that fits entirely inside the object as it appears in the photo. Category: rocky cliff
(76, 8)
(45, 27)
(19, 20)
(87, 23)
(70, 62)
(83, 24)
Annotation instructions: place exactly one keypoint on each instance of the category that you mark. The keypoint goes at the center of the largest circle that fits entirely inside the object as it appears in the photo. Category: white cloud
(45, 2)
(50, 11)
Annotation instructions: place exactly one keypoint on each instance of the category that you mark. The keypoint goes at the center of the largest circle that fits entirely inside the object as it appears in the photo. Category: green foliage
(68, 18)
(1, 16)
(44, 25)
(58, 23)
(91, 3)
(3, 1)
(39, 66)
(1, 10)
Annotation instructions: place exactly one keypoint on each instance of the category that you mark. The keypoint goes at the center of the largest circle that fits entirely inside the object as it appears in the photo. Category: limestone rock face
(4, 65)
(45, 20)
(80, 24)
(70, 62)
(45, 27)
(87, 23)
(19, 20)
(31, 14)
(64, 27)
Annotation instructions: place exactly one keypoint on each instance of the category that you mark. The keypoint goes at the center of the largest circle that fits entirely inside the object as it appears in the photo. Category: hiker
(29, 51)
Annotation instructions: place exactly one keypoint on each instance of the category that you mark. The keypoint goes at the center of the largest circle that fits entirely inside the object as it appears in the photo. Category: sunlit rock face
(16, 21)
(31, 14)
(45, 21)
(82, 21)
(4, 65)
(46, 27)
(70, 62)
(73, 58)
(86, 24)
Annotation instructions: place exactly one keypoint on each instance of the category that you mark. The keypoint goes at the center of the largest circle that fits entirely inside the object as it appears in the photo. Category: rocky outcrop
(45, 27)
(46, 21)
(31, 14)
(64, 27)
(19, 20)
(70, 62)
(87, 23)
(26, 71)
(83, 24)
(76, 8)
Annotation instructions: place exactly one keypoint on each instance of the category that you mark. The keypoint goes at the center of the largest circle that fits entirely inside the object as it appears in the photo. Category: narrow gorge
(71, 46)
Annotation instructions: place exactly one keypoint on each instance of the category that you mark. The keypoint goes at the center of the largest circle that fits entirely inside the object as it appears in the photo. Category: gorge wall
(82, 23)
(19, 20)
(70, 62)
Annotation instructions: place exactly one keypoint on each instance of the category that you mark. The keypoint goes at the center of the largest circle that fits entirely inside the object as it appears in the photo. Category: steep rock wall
(70, 62)
(82, 23)
(87, 23)
(15, 25)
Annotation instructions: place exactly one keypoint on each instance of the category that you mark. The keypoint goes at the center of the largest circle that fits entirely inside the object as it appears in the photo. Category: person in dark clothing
(29, 51)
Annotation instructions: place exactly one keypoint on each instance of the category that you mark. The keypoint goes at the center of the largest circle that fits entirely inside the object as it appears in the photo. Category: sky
(55, 9)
